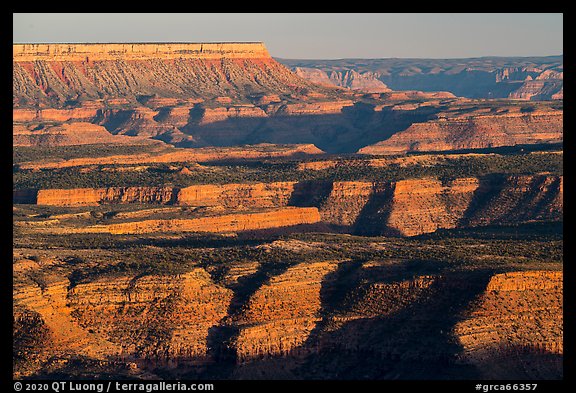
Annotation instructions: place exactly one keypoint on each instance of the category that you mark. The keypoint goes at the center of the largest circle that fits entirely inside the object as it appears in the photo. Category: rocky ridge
(405, 207)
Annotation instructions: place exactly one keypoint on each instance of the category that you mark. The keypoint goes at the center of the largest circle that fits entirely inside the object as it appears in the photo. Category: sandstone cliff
(498, 335)
(402, 208)
(279, 317)
(304, 315)
(138, 51)
(76, 133)
(422, 206)
(54, 73)
(159, 317)
(474, 132)
(95, 196)
(235, 196)
(234, 222)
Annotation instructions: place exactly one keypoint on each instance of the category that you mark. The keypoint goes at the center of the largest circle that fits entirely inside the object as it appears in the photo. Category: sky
(314, 36)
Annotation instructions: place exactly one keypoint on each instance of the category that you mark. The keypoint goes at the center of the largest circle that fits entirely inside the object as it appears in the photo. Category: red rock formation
(517, 198)
(76, 133)
(277, 218)
(54, 73)
(262, 150)
(519, 315)
(57, 115)
(259, 195)
(406, 207)
(66, 334)
(316, 108)
(156, 317)
(281, 314)
(212, 115)
(421, 206)
(137, 51)
(345, 202)
(95, 196)
(474, 132)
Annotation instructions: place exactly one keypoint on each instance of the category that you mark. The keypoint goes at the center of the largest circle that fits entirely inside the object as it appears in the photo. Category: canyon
(229, 94)
(405, 207)
(526, 78)
(205, 211)
(297, 316)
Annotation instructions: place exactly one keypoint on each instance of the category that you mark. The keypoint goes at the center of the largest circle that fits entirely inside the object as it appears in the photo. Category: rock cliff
(422, 206)
(138, 51)
(69, 134)
(233, 222)
(95, 196)
(402, 208)
(498, 334)
(54, 74)
(155, 318)
(305, 315)
(474, 132)
(280, 316)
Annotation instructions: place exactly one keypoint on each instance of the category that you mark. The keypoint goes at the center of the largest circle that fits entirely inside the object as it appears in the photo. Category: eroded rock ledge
(138, 51)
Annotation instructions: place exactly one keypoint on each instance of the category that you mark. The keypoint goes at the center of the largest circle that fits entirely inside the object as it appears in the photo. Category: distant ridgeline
(524, 78)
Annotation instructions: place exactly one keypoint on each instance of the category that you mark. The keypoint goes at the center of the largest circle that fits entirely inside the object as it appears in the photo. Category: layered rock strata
(405, 207)
(53, 74)
(280, 316)
(474, 132)
(517, 320)
(234, 222)
(157, 317)
(308, 312)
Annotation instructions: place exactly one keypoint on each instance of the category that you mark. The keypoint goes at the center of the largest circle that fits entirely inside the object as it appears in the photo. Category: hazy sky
(318, 36)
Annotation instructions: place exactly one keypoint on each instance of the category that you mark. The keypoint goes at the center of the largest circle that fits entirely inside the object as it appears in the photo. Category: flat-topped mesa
(139, 51)
(60, 75)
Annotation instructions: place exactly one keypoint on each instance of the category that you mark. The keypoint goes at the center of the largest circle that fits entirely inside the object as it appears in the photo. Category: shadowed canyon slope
(475, 131)
(406, 207)
(294, 320)
(198, 211)
(226, 94)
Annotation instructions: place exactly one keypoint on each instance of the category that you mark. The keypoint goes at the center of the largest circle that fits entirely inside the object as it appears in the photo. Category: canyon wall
(233, 222)
(404, 208)
(474, 132)
(69, 134)
(258, 195)
(280, 316)
(307, 315)
(237, 196)
(152, 317)
(55, 75)
(423, 206)
(95, 196)
(366, 82)
(498, 334)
